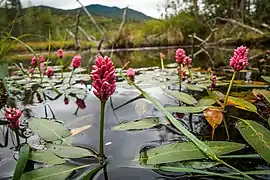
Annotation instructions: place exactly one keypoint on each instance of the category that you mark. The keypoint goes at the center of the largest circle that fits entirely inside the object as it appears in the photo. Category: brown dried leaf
(79, 130)
(214, 117)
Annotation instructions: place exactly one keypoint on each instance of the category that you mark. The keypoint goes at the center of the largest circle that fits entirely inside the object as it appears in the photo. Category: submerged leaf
(214, 117)
(22, 161)
(186, 109)
(69, 151)
(257, 136)
(183, 97)
(52, 173)
(137, 125)
(48, 130)
(186, 151)
(46, 157)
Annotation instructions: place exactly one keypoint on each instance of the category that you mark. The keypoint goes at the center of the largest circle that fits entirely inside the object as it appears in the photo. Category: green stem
(101, 129)
(225, 103)
(17, 137)
(190, 75)
(62, 68)
(72, 72)
(180, 77)
(228, 91)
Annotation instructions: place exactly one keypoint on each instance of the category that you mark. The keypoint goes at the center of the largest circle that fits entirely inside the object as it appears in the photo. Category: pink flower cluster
(187, 61)
(180, 55)
(49, 72)
(76, 61)
(103, 76)
(214, 83)
(239, 60)
(131, 74)
(13, 116)
(34, 63)
(60, 53)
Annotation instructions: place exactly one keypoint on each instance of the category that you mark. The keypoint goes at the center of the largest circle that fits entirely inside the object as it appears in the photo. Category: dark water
(122, 147)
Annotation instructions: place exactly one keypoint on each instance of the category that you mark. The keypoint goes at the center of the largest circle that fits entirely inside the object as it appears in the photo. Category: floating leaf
(193, 87)
(52, 173)
(48, 130)
(186, 109)
(249, 96)
(206, 101)
(266, 78)
(22, 161)
(214, 117)
(242, 104)
(79, 130)
(46, 157)
(69, 151)
(139, 124)
(257, 136)
(187, 151)
(200, 164)
(184, 97)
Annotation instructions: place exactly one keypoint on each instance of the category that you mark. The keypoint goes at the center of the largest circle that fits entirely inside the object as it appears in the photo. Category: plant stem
(225, 103)
(72, 72)
(17, 137)
(162, 64)
(101, 129)
(180, 77)
(228, 91)
(190, 75)
(62, 68)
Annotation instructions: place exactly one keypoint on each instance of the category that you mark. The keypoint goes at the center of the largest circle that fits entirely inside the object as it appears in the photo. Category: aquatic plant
(103, 77)
(60, 55)
(49, 72)
(131, 74)
(161, 56)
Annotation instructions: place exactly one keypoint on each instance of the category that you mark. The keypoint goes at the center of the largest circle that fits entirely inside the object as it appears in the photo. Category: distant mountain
(105, 11)
(116, 13)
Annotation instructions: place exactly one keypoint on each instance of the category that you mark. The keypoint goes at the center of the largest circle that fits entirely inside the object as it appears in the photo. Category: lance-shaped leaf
(186, 151)
(186, 109)
(46, 157)
(257, 136)
(193, 87)
(137, 125)
(242, 104)
(183, 97)
(206, 101)
(48, 130)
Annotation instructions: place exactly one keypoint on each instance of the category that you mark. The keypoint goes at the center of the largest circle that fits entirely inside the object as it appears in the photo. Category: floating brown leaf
(214, 117)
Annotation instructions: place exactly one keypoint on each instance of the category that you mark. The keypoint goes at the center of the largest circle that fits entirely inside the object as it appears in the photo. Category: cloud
(149, 7)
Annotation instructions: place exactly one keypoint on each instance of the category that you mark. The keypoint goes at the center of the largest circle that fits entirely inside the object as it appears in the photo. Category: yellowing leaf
(79, 130)
(241, 104)
(214, 117)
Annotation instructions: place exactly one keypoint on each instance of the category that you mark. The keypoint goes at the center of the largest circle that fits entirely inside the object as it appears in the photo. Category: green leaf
(257, 136)
(49, 173)
(206, 101)
(137, 125)
(69, 151)
(187, 151)
(22, 161)
(183, 97)
(242, 104)
(48, 130)
(193, 87)
(189, 170)
(265, 93)
(46, 157)
(266, 78)
(186, 109)
(200, 164)
(91, 173)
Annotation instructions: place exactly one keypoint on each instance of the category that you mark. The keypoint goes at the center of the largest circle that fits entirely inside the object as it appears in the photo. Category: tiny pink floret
(60, 53)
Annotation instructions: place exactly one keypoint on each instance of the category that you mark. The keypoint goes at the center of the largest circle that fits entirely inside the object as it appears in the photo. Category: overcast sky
(149, 7)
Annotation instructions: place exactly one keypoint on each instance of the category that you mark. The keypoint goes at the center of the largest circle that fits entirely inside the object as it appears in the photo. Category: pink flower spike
(42, 66)
(214, 83)
(34, 62)
(131, 74)
(239, 60)
(187, 61)
(76, 61)
(13, 115)
(60, 53)
(180, 55)
(49, 72)
(103, 76)
(41, 59)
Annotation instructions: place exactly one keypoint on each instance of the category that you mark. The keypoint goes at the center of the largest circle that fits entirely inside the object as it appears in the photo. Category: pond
(76, 107)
